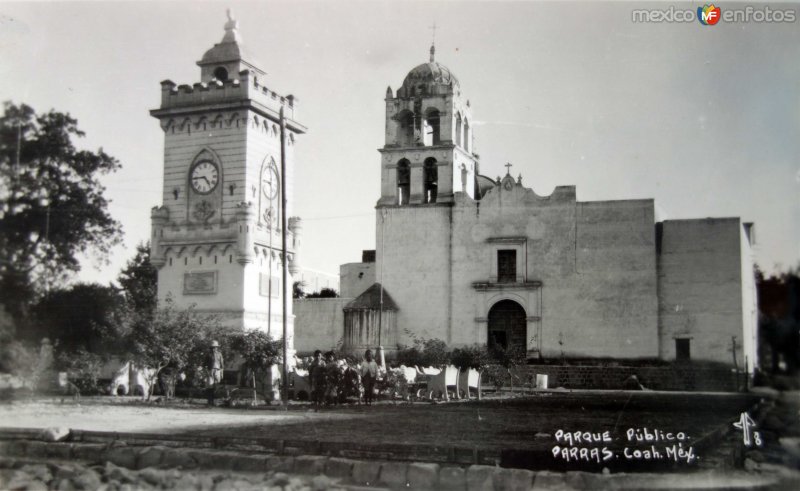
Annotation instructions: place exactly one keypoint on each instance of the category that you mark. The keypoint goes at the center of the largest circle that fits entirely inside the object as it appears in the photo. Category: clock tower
(216, 240)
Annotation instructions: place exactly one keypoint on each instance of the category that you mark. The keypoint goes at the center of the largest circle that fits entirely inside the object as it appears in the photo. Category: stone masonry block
(310, 465)
(549, 480)
(59, 451)
(36, 449)
(177, 457)
(91, 452)
(395, 474)
(250, 463)
(452, 478)
(280, 463)
(150, 457)
(578, 480)
(365, 472)
(16, 448)
(480, 478)
(213, 459)
(422, 475)
(339, 467)
(513, 479)
(4, 446)
(123, 456)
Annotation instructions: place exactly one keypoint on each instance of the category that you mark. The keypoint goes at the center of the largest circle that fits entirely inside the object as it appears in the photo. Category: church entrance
(507, 325)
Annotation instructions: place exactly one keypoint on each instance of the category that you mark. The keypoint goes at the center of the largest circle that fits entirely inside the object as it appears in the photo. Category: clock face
(204, 177)
(270, 182)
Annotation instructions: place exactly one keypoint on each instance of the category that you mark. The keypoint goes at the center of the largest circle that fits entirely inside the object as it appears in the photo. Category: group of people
(332, 381)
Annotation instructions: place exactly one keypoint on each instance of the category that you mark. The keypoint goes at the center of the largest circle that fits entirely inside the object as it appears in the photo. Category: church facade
(469, 259)
(216, 239)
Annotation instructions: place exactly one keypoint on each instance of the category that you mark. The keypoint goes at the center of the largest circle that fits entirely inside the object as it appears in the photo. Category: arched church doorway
(507, 325)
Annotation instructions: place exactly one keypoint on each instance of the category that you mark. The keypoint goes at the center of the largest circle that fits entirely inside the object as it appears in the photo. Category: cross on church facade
(508, 168)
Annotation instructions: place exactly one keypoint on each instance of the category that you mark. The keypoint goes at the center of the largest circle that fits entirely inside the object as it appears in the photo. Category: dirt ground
(495, 423)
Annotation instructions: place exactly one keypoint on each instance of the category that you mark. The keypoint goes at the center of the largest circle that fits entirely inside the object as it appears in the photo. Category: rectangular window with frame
(506, 266)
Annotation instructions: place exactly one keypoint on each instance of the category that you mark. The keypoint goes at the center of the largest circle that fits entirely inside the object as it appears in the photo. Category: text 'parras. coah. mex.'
(637, 444)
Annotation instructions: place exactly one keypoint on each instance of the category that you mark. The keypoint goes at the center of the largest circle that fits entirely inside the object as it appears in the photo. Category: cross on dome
(433, 41)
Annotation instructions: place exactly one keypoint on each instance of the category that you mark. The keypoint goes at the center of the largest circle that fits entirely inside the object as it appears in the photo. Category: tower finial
(231, 33)
(433, 42)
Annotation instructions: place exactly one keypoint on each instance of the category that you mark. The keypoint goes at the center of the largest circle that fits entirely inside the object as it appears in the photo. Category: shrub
(83, 369)
(475, 356)
(424, 353)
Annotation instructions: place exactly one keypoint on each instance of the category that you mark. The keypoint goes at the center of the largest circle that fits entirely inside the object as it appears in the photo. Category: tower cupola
(427, 157)
(430, 78)
(227, 58)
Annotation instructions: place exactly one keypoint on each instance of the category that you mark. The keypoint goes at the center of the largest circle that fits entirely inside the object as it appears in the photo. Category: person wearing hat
(215, 365)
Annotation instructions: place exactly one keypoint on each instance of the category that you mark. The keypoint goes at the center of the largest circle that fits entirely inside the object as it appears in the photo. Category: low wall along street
(655, 378)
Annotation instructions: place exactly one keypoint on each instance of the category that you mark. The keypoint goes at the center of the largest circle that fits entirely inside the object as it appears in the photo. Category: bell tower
(427, 166)
(216, 239)
(427, 155)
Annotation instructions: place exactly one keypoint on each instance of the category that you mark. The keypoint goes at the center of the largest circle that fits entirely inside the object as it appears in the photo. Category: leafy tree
(171, 337)
(506, 360)
(51, 202)
(83, 316)
(258, 351)
(779, 320)
(298, 289)
(324, 293)
(139, 281)
(425, 353)
(475, 356)
(83, 368)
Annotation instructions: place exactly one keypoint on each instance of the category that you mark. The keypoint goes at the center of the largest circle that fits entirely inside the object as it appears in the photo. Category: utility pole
(284, 264)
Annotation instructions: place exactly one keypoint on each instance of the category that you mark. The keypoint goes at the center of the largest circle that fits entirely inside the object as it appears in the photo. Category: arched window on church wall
(432, 133)
(458, 130)
(403, 181)
(466, 135)
(405, 128)
(431, 176)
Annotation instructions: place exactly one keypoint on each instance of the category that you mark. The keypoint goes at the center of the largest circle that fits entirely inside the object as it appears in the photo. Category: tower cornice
(266, 112)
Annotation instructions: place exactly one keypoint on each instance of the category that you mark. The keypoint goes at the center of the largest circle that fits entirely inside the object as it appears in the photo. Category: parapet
(246, 87)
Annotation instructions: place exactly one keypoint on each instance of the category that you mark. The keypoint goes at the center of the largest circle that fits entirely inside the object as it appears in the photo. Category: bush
(19, 360)
(424, 353)
(475, 356)
(83, 369)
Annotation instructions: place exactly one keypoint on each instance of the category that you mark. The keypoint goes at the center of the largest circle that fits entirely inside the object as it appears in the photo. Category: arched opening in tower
(403, 181)
(431, 176)
(432, 133)
(466, 135)
(459, 140)
(405, 128)
(221, 74)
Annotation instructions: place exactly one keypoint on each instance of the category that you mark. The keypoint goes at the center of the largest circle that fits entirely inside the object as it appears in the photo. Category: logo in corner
(708, 15)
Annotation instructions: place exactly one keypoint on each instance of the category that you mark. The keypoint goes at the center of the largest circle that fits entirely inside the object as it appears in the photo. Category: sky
(704, 119)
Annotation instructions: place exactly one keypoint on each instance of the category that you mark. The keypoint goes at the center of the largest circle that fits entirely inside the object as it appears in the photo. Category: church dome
(429, 75)
(433, 73)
